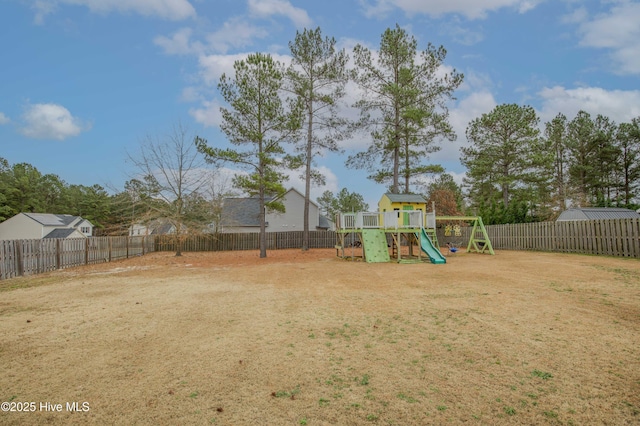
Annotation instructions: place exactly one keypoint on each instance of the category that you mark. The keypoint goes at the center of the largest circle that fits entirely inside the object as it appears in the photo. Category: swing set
(479, 241)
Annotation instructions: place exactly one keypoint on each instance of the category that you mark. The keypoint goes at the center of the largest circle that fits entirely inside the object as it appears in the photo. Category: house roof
(49, 219)
(60, 233)
(405, 198)
(595, 213)
(246, 211)
(324, 222)
(240, 212)
(161, 228)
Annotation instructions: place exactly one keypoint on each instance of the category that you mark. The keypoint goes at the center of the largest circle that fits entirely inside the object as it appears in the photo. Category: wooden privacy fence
(246, 241)
(28, 257)
(612, 237)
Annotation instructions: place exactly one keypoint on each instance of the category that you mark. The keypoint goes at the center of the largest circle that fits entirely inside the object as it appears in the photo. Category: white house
(243, 215)
(27, 226)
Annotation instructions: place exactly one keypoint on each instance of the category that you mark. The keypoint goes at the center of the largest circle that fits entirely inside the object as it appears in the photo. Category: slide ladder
(374, 243)
(427, 246)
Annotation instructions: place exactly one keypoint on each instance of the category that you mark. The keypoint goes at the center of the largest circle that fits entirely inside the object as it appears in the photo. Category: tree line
(23, 188)
(518, 172)
(279, 119)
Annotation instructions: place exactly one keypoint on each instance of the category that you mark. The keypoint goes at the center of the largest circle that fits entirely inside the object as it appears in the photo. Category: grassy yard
(310, 339)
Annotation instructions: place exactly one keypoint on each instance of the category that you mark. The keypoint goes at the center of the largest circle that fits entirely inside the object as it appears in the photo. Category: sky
(83, 82)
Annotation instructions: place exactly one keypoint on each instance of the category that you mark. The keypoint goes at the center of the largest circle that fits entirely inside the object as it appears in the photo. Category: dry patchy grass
(306, 338)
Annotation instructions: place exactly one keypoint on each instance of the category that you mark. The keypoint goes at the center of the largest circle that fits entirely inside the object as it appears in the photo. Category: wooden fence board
(29, 257)
(599, 237)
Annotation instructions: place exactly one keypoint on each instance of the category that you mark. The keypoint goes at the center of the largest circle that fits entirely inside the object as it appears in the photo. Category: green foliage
(541, 374)
(556, 136)
(508, 162)
(344, 202)
(23, 189)
(258, 121)
(628, 142)
(317, 76)
(404, 106)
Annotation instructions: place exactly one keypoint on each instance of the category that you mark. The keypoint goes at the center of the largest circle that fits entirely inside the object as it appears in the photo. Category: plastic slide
(427, 246)
(374, 242)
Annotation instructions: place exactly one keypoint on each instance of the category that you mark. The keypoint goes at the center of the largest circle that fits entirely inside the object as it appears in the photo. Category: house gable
(293, 217)
(243, 214)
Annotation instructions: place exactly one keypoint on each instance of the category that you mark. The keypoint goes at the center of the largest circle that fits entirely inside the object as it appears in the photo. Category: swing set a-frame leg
(485, 242)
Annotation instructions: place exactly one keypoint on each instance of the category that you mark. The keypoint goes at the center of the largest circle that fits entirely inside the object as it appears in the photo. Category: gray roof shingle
(596, 213)
(48, 219)
(241, 212)
(60, 233)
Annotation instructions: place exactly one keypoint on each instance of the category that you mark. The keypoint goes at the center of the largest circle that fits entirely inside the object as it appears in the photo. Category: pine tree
(507, 160)
(317, 77)
(403, 102)
(257, 120)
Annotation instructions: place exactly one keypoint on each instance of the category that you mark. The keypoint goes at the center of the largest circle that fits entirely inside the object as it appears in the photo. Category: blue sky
(84, 81)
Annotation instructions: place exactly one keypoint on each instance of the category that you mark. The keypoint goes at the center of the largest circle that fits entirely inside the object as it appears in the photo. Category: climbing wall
(374, 242)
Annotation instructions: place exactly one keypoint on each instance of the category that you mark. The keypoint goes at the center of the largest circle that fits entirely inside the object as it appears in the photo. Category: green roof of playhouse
(405, 198)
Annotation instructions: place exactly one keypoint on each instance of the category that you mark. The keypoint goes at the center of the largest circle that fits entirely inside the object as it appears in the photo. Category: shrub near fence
(246, 241)
(611, 237)
(27, 257)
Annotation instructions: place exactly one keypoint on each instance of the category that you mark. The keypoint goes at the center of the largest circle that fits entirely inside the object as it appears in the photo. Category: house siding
(293, 218)
(21, 227)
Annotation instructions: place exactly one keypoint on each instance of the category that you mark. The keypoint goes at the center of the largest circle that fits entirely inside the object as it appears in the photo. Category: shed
(597, 213)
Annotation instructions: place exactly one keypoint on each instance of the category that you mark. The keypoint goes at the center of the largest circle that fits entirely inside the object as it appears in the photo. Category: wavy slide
(427, 246)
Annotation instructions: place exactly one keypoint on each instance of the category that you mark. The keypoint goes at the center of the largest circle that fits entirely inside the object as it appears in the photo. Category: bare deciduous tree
(174, 174)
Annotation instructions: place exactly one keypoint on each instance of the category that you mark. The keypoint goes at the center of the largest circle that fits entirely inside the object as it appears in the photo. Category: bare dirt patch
(307, 338)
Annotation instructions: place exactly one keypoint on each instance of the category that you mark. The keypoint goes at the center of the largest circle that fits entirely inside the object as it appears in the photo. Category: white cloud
(213, 66)
(50, 121)
(3, 119)
(174, 10)
(467, 109)
(268, 8)
(237, 33)
(179, 43)
(331, 183)
(619, 105)
(619, 31)
(42, 8)
(472, 9)
(208, 114)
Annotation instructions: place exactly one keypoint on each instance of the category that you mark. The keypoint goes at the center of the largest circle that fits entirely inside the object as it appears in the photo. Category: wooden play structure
(479, 241)
(402, 221)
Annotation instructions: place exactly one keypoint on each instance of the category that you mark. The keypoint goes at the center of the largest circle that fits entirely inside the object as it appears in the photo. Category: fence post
(86, 251)
(58, 254)
(19, 265)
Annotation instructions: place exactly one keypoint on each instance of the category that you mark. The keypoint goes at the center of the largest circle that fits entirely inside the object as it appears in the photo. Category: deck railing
(395, 219)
